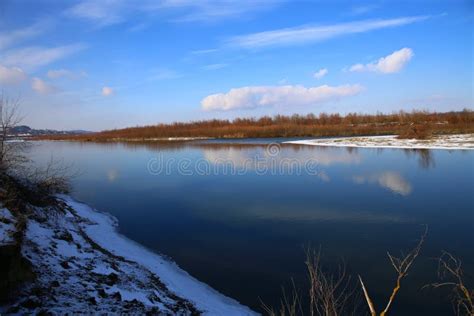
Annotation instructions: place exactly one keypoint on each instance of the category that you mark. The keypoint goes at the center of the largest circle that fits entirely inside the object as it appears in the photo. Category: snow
(7, 227)
(105, 270)
(448, 142)
(104, 233)
(83, 265)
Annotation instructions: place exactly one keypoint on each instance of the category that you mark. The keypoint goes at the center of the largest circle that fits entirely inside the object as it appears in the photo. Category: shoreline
(204, 298)
(84, 265)
(443, 142)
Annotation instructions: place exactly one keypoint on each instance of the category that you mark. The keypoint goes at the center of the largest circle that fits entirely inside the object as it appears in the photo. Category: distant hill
(26, 131)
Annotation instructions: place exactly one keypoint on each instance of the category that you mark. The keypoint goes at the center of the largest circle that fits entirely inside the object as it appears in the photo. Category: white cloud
(204, 51)
(64, 73)
(388, 64)
(214, 66)
(104, 12)
(59, 73)
(32, 57)
(305, 34)
(216, 9)
(108, 12)
(11, 75)
(261, 96)
(107, 91)
(163, 74)
(363, 9)
(138, 27)
(42, 87)
(320, 73)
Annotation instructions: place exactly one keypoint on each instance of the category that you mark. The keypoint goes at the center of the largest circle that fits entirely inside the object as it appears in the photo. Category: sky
(96, 65)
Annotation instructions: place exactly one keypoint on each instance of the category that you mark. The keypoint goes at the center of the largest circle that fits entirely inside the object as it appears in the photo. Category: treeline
(353, 124)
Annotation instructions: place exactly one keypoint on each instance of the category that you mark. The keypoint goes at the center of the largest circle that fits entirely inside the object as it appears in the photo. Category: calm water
(239, 215)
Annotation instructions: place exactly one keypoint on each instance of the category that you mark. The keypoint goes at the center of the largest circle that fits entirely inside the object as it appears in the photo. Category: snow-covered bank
(175, 279)
(83, 265)
(7, 227)
(450, 142)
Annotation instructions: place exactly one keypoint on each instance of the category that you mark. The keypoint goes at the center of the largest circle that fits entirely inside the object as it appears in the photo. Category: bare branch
(401, 266)
(449, 267)
(367, 298)
(11, 152)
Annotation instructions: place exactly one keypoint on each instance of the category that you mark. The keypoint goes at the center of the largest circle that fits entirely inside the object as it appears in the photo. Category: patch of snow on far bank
(176, 280)
(449, 142)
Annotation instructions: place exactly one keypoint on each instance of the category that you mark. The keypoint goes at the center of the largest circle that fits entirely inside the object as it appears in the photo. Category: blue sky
(114, 63)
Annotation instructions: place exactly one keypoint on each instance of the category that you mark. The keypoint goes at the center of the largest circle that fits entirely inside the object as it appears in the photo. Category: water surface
(238, 215)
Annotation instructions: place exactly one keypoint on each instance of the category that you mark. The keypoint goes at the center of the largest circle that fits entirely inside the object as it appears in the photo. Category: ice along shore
(449, 142)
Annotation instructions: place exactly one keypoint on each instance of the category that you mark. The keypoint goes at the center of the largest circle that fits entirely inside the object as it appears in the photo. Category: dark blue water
(238, 215)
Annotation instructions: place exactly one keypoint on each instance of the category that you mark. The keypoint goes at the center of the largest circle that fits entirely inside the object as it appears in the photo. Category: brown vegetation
(414, 124)
(418, 131)
(328, 294)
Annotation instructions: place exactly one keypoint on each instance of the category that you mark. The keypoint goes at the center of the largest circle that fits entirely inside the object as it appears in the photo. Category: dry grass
(328, 294)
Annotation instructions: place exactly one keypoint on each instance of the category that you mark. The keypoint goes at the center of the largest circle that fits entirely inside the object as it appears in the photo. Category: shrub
(416, 131)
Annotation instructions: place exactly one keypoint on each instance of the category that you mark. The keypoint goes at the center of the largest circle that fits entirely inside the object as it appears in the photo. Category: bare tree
(53, 178)
(401, 266)
(11, 153)
(451, 274)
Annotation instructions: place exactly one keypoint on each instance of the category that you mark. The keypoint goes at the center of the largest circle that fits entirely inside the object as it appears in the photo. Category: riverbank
(81, 264)
(449, 142)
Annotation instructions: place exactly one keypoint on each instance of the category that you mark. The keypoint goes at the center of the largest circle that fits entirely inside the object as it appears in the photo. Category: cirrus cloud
(308, 33)
(33, 57)
(64, 73)
(12, 37)
(389, 64)
(288, 95)
(109, 12)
